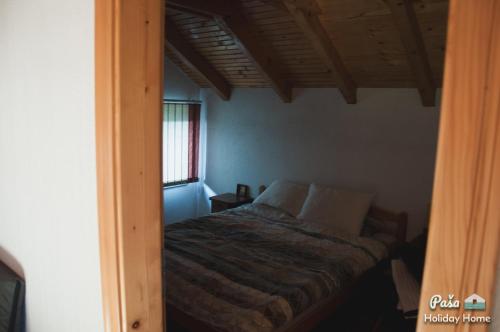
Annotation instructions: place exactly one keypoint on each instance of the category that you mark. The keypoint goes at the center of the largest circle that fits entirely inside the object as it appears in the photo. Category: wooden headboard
(379, 213)
(399, 218)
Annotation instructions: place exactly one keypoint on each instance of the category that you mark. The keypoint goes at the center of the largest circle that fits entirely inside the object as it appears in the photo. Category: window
(181, 131)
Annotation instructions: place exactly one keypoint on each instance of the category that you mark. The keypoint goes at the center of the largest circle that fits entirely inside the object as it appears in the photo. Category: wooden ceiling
(309, 43)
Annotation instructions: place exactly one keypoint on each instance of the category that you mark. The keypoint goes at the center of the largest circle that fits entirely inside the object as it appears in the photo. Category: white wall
(181, 202)
(385, 143)
(178, 85)
(48, 214)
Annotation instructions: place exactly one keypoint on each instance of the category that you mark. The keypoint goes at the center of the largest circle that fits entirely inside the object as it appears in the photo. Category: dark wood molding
(195, 61)
(411, 37)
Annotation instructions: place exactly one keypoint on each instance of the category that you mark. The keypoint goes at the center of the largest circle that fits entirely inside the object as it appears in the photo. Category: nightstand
(228, 201)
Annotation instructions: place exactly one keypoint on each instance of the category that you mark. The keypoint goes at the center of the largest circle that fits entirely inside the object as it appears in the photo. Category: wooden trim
(129, 90)
(312, 28)
(195, 61)
(407, 24)
(463, 244)
(105, 98)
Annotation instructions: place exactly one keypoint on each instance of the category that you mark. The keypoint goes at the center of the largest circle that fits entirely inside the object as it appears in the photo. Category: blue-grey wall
(385, 143)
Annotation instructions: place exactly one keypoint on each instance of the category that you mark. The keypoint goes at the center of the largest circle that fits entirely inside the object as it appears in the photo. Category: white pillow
(343, 210)
(284, 195)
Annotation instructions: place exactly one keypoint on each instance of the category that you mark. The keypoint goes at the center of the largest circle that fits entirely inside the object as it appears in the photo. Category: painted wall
(385, 143)
(178, 85)
(48, 203)
(181, 202)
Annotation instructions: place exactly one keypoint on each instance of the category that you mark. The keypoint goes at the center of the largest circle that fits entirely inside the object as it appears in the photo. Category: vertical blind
(180, 143)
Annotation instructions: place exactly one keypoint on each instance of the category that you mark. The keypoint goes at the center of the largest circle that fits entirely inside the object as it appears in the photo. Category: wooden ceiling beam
(195, 61)
(229, 16)
(314, 31)
(205, 8)
(310, 6)
(174, 9)
(407, 24)
(259, 54)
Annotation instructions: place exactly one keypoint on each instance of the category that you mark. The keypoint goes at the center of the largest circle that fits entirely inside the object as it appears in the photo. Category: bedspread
(255, 268)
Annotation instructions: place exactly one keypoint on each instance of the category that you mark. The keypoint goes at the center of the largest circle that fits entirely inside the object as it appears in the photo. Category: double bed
(258, 268)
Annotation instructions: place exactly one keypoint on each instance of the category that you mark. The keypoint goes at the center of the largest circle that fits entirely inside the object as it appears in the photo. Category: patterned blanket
(255, 268)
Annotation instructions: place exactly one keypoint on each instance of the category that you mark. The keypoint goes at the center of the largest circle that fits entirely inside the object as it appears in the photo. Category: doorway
(129, 89)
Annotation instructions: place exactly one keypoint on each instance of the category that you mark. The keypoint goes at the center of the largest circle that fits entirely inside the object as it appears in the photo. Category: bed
(257, 268)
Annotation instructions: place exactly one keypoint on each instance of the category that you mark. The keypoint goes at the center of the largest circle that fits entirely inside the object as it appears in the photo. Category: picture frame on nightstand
(242, 190)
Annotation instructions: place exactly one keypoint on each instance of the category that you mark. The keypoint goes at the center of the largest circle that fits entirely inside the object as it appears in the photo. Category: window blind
(180, 143)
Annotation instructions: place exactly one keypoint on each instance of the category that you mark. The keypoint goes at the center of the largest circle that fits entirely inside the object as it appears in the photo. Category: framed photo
(242, 190)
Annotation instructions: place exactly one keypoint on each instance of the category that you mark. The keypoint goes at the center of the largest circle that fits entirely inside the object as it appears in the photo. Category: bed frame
(399, 218)
(311, 317)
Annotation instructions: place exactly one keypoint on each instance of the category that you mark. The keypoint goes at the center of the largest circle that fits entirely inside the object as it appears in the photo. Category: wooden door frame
(129, 87)
(128, 90)
(463, 244)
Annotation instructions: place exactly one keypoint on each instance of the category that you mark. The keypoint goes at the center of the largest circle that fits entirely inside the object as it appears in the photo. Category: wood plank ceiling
(356, 43)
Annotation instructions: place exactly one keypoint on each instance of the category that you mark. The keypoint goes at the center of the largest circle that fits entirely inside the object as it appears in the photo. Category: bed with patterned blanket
(255, 268)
